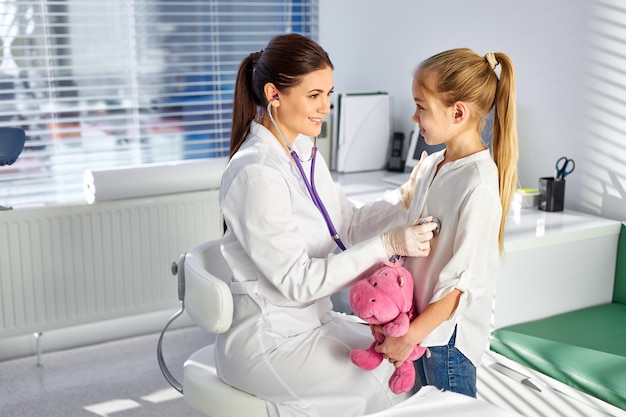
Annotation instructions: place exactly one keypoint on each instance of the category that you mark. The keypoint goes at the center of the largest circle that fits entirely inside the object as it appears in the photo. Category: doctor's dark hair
(463, 75)
(285, 60)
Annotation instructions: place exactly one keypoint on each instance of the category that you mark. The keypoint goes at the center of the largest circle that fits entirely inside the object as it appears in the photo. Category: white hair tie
(491, 59)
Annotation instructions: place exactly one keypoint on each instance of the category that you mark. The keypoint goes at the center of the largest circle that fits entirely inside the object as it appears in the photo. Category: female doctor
(281, 206)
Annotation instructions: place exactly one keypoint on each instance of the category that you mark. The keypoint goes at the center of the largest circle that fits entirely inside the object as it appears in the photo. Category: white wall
(376, 45)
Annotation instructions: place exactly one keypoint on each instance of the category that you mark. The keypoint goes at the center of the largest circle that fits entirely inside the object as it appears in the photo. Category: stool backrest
(619, 290)
(208, 299)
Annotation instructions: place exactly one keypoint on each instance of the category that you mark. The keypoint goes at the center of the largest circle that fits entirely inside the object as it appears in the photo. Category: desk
(363, 187)
(553, 262)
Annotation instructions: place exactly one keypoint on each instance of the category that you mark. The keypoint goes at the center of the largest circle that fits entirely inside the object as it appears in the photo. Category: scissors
(562, 165)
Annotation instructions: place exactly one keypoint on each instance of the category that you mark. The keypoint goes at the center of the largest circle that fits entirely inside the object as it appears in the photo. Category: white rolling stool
(204, 293)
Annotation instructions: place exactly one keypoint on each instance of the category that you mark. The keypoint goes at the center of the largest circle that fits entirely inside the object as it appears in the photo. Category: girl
(281, 206)
(470, 192)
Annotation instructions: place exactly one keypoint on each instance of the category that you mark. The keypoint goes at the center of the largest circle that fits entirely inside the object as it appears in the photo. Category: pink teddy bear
(386, 298)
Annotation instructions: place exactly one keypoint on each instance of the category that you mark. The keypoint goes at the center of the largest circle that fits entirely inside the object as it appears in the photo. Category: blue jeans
(446, 369)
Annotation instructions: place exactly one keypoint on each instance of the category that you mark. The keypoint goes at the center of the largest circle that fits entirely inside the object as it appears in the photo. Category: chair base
(205, 392)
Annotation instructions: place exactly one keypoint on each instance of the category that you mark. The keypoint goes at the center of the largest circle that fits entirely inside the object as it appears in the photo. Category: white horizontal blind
(106, 83)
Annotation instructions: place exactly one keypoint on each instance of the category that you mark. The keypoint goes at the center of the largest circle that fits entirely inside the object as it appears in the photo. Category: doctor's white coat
(286, 345)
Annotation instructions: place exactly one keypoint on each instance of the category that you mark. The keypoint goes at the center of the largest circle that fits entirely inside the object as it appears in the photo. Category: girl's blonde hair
(463, 75)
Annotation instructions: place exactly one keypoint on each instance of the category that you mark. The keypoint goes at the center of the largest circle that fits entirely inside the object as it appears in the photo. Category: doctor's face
(302, 107)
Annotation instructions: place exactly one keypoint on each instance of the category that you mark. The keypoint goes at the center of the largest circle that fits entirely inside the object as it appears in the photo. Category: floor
(120, 378)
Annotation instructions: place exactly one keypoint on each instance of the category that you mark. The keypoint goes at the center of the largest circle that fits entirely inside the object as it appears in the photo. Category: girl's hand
(395, 349)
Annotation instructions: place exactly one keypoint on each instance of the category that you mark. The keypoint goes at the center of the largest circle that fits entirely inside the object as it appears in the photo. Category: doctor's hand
(411, 240)
(395, 349)
(407, 190)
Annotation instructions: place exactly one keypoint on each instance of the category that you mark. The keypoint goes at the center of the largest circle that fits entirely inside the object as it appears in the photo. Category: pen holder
(551, 194)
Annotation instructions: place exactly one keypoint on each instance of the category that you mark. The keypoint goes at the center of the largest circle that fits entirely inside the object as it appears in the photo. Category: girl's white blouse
(464, 195)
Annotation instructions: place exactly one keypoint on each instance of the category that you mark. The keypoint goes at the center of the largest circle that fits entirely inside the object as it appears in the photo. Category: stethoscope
(309, 185)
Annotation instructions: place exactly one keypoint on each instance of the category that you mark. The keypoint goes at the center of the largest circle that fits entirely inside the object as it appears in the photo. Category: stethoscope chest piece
(437, 229)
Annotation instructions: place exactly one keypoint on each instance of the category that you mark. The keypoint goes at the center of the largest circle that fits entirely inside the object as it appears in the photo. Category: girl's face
(301, 108)
(433, 118)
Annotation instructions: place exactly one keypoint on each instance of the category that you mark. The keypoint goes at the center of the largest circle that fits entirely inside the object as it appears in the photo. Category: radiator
(71, 265)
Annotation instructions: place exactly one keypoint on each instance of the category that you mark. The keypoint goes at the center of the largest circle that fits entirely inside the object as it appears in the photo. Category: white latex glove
(412, 240)
(407, 190)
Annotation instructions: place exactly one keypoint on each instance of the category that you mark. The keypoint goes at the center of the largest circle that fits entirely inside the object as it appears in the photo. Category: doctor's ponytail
(244, 106)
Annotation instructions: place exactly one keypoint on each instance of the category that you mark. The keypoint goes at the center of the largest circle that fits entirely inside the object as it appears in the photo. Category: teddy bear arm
(398, 326)
(418, 352)
(366, 359)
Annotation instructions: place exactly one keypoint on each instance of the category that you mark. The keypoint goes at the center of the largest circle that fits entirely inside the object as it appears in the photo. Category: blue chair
(12, 141)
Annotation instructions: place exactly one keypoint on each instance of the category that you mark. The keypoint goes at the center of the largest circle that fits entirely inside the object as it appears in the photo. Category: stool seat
(205, 392)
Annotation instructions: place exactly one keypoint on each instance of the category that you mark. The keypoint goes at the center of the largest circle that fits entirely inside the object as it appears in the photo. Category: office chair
(203, 291)
(12, 141)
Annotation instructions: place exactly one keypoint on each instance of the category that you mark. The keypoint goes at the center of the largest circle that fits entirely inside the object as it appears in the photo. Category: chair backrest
(619, 290)
(12, 141)
(208, 299)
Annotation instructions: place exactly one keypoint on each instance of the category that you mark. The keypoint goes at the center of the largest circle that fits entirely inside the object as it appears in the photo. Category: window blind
(107, 83)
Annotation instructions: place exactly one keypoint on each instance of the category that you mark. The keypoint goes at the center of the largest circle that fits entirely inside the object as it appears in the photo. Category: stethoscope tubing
(310, 186)
(315, 196)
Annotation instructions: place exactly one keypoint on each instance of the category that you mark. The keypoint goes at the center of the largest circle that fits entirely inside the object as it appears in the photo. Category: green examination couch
(585, 349)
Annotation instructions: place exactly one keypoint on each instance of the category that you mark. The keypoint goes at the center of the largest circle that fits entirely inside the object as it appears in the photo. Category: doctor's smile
(316, 120)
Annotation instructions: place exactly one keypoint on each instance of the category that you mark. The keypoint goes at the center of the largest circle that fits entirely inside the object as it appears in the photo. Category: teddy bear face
(382, 296)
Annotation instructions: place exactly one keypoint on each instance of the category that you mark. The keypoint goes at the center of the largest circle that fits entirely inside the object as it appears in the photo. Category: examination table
(584, 349)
